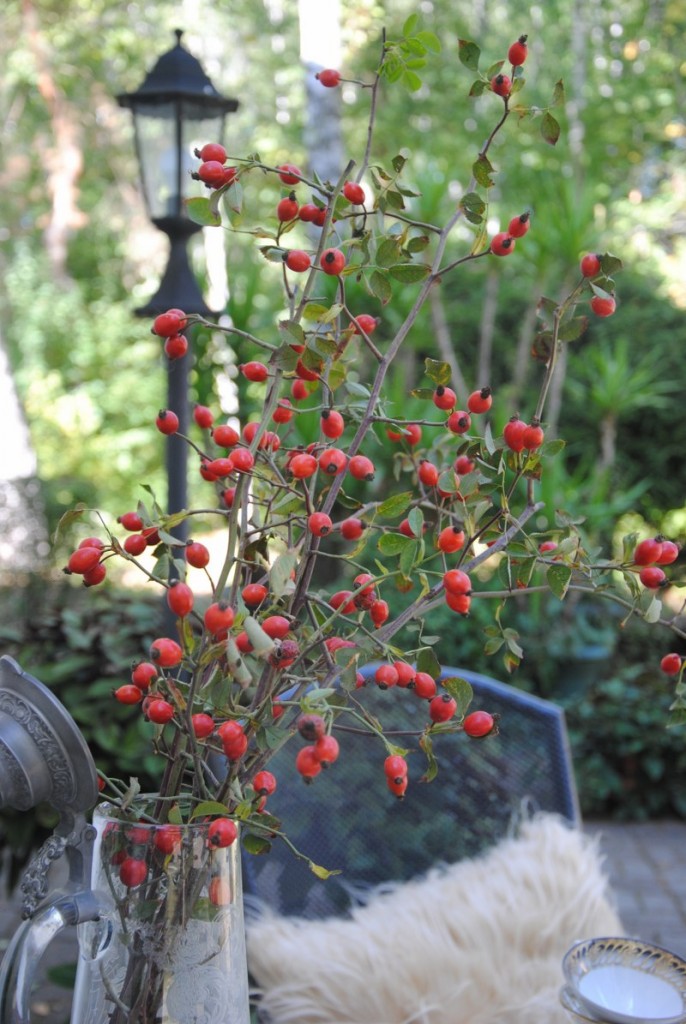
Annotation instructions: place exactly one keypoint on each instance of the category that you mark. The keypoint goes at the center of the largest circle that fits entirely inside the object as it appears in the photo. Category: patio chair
(346, 820)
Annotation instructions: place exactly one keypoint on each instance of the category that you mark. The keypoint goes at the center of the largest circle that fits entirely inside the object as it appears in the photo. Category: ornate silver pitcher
(44, 757)
(169, 947)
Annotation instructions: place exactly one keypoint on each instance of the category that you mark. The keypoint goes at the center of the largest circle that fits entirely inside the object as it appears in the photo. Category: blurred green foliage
(82, 646)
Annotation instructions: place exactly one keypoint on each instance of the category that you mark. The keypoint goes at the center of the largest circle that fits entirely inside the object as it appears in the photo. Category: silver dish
(625, 981)
(578, 1011)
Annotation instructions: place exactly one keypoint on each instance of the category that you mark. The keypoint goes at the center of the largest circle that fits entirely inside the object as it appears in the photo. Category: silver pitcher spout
(44, 757)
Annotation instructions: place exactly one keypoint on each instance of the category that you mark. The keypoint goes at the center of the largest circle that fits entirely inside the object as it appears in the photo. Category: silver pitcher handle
(47, 915)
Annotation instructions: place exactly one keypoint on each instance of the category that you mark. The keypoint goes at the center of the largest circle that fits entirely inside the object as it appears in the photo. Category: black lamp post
(175, 110)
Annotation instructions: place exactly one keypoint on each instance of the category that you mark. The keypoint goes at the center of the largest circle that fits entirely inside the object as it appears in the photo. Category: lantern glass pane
(166, 136)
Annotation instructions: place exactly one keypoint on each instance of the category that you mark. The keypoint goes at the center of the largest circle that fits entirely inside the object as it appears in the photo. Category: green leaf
(418, 243)
(67, 519)
(209, 808)
(354, 388)
(437, 371)
(280, 581)
(380, 287)
(410, 25)
(653, 611)
(411, 80)
(573, 329)
(482, 169)
(428, 662)
(550, 129)
(200, 212)
(416, 521)
(321, 872)
(558, 93)
(387, 252)
(233, 199)
(478, 87)
(394, 543)
(610, 264)
(410, 273)
(430, 40)
(432, 765)
(564, 519)
(396, 505)
(272, 253)
(315, 311)
(554, 446)
(256, 844)
(461, 690)
(291, 332)
(469, 54)
(473, 207)
(600, 292)
(395, 199)
(558, 577)
(262, 643)
(494, 69)
(408, 558)
(493, 645)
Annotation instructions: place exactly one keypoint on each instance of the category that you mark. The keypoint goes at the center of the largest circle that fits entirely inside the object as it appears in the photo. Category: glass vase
(169, 944)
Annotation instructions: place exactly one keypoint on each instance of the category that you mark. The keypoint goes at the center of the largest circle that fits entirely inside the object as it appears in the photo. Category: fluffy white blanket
(477, 942)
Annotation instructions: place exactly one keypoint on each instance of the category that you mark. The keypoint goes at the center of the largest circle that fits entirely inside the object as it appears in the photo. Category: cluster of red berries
(478, 724)
(212, 171)
(501, 84)
(503, 243)
(138, 849)
(215, 175)
(322, 748)
(602, 303)
(649, 556)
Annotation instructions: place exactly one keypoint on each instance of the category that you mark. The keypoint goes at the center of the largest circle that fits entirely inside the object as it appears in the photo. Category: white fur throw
(477, 942)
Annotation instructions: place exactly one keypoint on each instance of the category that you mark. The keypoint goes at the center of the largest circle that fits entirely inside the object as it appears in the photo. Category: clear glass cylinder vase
(169, 945)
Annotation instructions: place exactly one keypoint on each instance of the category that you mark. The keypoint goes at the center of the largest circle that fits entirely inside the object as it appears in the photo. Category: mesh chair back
(347, 820)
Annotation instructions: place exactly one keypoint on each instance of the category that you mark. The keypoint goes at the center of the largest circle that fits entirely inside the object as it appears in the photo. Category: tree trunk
(64, 162)
(320, 46)
(24, 546)
(488, 314)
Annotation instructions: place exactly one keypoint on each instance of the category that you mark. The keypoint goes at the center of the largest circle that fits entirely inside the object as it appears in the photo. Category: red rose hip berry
(329, 77)
(518, 51)
(298, 261)
(502, 244)
(501, 85)
(332, 262)
(289, 174)
(519, 226)
(133, 872)
(442, 708)
(222, 832)
(603, 305)
(478, 724)
(167, 422)
(590, 265)
(671, 664)
(165, 653)
(354, 193)
(480, 401)
(652, 577)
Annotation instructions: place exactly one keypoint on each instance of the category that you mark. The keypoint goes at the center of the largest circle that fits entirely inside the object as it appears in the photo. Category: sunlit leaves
(405, 56)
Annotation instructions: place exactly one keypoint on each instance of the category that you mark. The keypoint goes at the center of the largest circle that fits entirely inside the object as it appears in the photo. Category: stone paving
(646, 865)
